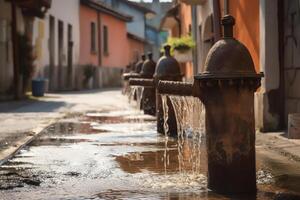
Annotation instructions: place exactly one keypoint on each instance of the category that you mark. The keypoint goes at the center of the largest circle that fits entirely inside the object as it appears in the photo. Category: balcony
(35, 8)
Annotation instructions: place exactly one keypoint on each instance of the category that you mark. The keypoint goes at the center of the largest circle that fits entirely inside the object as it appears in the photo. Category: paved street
(118, 153)
(20, 121)
(98, 146)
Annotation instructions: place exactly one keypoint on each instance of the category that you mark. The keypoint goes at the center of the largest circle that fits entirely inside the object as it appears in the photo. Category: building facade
(270, 31)
(103, 41)
(178, 22)
(56, 39)
(137, 29)
(16, 50)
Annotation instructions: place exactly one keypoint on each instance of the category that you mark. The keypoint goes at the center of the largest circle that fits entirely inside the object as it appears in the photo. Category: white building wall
(269, 62)
(66, 11)
(204, 13)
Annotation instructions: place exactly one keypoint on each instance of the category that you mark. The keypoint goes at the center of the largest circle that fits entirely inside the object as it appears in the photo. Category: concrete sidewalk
(279, 143)
(21, 121)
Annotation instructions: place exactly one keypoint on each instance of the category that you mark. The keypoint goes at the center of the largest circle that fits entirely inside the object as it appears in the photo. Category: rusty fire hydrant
(148, 99)
(167, 69)
(226, 89)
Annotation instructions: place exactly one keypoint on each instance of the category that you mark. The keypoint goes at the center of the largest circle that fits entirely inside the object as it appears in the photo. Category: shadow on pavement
(28, 106)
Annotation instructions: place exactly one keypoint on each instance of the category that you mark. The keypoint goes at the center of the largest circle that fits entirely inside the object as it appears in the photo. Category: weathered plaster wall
(246, 29)
(6, 48)
(291, 64)
(267, 118)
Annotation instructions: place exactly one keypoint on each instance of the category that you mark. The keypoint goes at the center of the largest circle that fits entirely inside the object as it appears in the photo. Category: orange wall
(87, 16)
(246, 30)
(186, 18)
(186, 22)
(117, 42)
(136, 49)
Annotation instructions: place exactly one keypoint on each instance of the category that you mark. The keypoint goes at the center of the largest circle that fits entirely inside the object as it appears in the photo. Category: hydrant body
(227, 88)
(149, 96)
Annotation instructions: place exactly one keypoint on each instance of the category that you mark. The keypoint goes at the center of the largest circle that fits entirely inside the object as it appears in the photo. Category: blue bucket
(38, 87)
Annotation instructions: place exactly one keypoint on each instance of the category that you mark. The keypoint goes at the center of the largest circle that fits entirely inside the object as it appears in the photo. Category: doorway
(60, 55)
(52, 53)
(70, 57)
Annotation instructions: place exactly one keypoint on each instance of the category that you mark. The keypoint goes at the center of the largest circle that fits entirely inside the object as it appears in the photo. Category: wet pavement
(119, 155)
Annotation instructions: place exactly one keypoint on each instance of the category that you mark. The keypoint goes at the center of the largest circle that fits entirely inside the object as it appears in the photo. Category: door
(70, 57)
(60, 55)
(52, 81)
(291, 42)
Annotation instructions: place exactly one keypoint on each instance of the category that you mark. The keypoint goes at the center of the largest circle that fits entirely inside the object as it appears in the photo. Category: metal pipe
(128, 76)
(175, 88)
(141, 82)
(226, 7)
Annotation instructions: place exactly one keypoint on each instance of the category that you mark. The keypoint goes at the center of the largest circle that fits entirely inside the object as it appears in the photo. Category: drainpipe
(217, 22)
(226, 7)
(145, 34)
(179, 25)
(99, 39)
(15, 51)
(195, 37)
(99, 24)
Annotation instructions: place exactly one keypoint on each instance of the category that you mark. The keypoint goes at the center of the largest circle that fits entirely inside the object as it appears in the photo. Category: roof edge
(103, 8)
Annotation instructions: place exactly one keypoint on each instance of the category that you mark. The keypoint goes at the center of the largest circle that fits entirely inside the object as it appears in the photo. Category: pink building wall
(87, 16)
(118, 45)
(136, 48)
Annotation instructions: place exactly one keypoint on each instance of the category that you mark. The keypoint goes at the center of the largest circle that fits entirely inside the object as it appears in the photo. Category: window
(93, 37)
(105, 40)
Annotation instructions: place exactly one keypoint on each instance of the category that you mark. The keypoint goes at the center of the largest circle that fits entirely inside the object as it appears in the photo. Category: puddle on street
(119, 155)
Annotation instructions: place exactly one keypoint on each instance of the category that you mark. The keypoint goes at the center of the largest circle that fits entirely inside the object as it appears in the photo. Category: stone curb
(7, 154)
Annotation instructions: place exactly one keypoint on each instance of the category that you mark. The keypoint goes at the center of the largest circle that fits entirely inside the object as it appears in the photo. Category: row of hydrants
(226, 88)
(149, 74)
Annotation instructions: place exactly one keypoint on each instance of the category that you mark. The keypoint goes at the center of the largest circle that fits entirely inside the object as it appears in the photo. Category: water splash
(166, 130)
(139, 96)
(136, 93)
(190, 120)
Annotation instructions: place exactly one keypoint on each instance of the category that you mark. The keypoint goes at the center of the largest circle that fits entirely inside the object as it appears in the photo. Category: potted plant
(182, 48)
(88, 72)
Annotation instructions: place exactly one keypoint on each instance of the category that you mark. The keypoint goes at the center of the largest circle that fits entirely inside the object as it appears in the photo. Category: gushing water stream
(190, 113)
(136, 92)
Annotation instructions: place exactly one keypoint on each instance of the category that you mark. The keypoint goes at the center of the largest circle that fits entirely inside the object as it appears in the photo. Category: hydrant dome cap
(229, 56)
(167, 66)
(148, 68)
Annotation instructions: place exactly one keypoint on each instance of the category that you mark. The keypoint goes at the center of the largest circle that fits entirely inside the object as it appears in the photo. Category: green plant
(27, 58)
(88, 72)
(181, 44)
